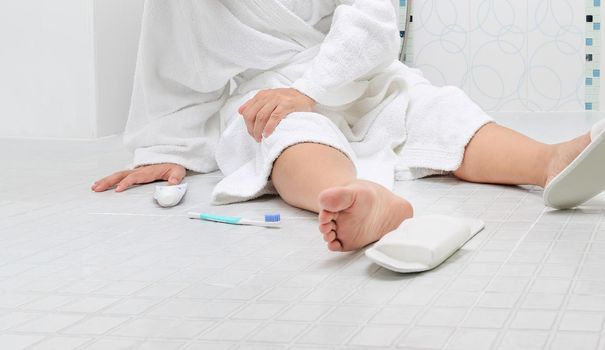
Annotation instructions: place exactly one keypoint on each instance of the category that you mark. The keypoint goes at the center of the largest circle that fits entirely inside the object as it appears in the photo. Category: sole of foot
(361, 213)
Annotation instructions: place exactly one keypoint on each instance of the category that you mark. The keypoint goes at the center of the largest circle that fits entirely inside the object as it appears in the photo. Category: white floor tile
(80, 270)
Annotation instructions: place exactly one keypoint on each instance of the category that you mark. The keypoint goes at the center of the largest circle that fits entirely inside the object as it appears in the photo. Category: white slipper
(584, 178)
(423, 243)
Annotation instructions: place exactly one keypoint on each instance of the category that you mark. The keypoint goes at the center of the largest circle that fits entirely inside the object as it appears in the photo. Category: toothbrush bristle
(272, 218)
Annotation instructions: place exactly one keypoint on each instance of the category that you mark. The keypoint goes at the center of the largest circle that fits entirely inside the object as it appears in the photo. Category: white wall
(117, 29)
(66, 66)
(46, 68)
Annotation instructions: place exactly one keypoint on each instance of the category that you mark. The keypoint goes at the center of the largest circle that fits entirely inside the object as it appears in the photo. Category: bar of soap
(169, 196)
(423, 243)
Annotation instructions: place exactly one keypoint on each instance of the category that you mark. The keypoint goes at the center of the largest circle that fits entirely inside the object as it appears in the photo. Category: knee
(460, 172)
(465, 173)
(408, 209)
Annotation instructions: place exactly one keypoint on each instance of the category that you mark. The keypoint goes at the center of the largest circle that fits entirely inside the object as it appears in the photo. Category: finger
(258, 96)
(108, 182)
(252, 110)
(243, 107)
(126, 183)
(249, 125)
(250, 117)
(274, 120)
(137, 177)
(262, 118)
(176, 175)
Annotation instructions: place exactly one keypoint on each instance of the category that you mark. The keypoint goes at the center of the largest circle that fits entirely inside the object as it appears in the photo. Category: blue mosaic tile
(593, 55)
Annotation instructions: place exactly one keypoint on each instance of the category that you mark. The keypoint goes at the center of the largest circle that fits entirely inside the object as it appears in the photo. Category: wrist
(310, 99)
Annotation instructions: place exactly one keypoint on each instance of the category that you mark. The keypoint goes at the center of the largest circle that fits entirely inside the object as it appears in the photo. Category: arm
(363, 38)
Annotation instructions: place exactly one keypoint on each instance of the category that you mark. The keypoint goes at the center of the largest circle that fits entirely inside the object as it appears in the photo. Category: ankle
(401, 210)
(549, 161)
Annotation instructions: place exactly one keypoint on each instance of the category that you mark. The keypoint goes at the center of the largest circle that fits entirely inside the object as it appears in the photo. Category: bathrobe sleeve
(174, 115)
(363, 39)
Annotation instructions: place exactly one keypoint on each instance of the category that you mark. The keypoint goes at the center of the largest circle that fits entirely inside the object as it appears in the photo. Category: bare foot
(356, 215)
(564, 154)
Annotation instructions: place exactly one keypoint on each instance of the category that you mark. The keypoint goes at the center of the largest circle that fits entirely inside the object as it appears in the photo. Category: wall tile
(506, 55)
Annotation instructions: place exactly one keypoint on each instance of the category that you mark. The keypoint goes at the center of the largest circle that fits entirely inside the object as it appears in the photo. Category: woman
(306, 98)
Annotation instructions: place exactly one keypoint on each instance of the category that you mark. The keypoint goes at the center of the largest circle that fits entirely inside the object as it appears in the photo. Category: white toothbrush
(271, 220)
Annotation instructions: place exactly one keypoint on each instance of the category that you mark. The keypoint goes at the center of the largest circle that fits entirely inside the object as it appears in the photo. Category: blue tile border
(593, 55)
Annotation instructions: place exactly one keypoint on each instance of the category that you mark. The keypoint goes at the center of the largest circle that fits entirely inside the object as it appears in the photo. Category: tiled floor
(80, 270)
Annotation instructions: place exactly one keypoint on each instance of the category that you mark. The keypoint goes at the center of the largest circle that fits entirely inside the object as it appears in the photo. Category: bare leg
(352, 212)
(500, 155)
(303, 171)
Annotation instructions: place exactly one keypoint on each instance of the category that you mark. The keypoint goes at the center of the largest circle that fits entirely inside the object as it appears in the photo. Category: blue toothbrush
(271, 220)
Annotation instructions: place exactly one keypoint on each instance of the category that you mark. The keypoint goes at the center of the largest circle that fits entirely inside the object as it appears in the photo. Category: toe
(327, 227)
(337, 199)
(326, 217)
(335, 246)
(330, 236)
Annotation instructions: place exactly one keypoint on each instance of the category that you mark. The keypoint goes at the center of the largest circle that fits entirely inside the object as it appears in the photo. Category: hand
(173, 173)
(263, 113)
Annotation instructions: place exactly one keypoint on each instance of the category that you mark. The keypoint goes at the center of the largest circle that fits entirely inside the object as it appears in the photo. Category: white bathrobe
(199, 60)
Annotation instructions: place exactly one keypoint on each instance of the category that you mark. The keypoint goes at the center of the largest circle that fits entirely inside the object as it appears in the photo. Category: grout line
(523, 294)
(492, 279)
(574, 281)
(430, 304)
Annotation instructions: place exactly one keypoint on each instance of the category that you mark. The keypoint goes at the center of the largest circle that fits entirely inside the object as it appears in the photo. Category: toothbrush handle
(216, 218)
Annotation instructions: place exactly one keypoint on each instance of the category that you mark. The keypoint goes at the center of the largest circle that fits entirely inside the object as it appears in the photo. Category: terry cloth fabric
(200, 60)
(440, 121)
